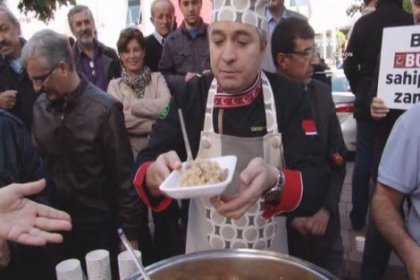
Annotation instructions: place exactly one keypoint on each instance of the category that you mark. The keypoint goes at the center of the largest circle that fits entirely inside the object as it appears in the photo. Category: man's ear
(264, 45)
(281, 59)
(151, 20)
(64, 67)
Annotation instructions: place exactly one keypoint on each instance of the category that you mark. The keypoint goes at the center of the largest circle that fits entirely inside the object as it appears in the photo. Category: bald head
(163, 16)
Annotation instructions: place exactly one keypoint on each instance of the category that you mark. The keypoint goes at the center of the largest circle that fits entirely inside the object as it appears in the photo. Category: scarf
(138, 82)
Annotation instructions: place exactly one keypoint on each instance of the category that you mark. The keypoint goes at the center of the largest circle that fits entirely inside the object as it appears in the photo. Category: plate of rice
(200, 178)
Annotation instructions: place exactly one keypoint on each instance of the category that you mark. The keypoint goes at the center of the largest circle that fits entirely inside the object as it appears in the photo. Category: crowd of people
(102, 127)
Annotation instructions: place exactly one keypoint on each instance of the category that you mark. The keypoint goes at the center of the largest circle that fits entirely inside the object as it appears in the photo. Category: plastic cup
(126, 266)
(69, 270)
(98, 265)
(360, 243)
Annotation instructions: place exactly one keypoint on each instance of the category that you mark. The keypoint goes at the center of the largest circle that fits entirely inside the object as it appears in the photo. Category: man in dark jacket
(16, 93)
(377, 250)
(362, 56)
(80, 132)
(237, 112)
(186, 50)
(315, 238)
(98, 62)
(163, 17)
(21, 163)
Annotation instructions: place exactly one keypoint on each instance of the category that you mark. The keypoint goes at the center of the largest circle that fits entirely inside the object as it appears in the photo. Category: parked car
(344, 99)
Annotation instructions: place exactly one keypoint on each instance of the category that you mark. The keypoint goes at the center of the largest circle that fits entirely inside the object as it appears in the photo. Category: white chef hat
(251, 12)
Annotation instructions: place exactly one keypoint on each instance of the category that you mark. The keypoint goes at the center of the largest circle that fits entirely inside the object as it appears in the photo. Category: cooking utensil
(239, 264)
(185, 136)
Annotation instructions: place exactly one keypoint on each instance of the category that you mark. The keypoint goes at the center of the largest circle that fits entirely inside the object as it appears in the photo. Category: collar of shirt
(158, 37)
(271, 18)
(224, 99)
(96, 47)
(17, 65)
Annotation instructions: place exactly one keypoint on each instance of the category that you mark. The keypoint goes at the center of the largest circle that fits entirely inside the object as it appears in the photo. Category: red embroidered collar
(223, 99)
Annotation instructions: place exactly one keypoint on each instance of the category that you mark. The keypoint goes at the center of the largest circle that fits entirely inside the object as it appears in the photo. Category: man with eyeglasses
(314, 238)
(98, 62)
(361, 60)
(80, 132)
(16, 92)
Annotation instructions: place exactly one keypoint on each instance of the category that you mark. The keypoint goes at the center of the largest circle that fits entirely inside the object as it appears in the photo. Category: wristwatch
(273, 195)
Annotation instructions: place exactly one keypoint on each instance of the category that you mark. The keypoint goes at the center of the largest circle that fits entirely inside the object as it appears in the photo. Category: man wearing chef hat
(258, 117)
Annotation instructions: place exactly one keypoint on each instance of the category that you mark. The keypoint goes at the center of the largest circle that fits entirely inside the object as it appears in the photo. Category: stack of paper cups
(98, 265)
(69, 270)
(126, 265)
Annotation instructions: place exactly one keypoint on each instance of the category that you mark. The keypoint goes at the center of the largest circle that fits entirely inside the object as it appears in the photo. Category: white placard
(399, 72)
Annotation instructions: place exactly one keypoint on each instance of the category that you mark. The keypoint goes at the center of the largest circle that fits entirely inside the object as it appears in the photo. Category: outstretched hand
(28, 222)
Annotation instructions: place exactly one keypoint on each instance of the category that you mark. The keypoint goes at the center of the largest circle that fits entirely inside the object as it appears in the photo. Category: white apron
(207, 229)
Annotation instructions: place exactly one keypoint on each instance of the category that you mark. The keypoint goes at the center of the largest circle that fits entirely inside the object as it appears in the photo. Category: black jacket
(330, 138)
(21, 163)
(153, 53)
(88, 156)
(110, 60)
(26, 97)
(364, 48)
(19, 160)
(301, 152)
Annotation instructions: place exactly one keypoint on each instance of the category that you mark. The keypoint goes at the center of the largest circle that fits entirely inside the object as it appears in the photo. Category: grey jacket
(182, 54)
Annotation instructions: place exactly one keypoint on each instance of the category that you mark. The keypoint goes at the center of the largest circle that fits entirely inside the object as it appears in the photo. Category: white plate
(171, 185)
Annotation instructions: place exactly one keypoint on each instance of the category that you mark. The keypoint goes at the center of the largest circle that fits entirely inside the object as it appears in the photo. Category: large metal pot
(236, 264)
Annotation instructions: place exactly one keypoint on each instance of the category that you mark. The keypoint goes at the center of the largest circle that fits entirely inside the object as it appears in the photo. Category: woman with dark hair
(143, 94)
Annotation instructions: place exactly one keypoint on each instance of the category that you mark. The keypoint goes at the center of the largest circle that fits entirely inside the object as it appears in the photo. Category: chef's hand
(378, 109)
(318, 223)
(159, 170)
(8, 99)
(254, 180)
(4, 254)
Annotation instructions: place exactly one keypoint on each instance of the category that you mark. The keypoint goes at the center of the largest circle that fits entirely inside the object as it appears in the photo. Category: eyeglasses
(41, 79)
(305, 54)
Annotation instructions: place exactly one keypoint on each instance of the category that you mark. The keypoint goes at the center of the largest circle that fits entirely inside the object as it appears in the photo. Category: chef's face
(236, 53)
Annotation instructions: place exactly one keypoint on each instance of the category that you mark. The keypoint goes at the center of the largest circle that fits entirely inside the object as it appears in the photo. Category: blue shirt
(400, 165)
